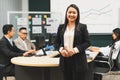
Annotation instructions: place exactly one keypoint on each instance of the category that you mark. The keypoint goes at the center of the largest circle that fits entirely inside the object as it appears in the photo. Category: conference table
(39, 67)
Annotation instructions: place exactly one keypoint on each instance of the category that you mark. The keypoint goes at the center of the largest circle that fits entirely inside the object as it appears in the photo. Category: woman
(72, 40)
(106, 50)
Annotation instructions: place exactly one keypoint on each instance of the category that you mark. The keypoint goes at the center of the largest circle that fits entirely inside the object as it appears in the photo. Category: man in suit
(9, 50)
(22, 42)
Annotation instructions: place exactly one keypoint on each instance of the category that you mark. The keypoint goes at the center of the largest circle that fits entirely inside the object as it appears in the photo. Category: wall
(25, 5)
(39, 5)
(117, 5)
(101, 14)
(100, 40)
(18, 5)
(8, 5)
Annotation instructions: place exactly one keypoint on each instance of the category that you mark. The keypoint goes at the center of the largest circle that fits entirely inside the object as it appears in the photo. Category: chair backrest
(117, 62)
(3, 72)
(104, 64)
(110, 60)
(101, 66)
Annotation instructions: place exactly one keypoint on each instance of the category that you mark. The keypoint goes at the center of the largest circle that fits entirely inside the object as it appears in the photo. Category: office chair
(116, 66)
(118, 60)
(104, 64)
(113, 74)
(3, 72)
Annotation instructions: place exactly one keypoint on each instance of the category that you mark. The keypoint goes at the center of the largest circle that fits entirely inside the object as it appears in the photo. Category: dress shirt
(10, 40)
(25, 45)
(106, 50)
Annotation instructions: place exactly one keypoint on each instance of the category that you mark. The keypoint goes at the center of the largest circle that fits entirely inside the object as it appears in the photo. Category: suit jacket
(19, 43)
(7, 51)
(81, 41)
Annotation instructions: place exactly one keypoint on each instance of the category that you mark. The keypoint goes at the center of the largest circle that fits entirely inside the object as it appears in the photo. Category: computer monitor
(40, 41)
(52, 38)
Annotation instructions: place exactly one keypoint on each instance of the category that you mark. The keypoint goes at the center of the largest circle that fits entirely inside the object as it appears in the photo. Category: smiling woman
(72, 40)
(72, 14)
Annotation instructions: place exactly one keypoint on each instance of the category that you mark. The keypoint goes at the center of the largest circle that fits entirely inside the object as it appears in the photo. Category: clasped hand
(66, 53)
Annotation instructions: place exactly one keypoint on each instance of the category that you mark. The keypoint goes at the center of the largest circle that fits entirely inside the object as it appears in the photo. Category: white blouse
(69, 39)
(106, 50)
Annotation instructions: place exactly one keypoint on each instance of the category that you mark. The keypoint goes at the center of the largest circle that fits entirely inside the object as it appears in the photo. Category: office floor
(111, 76)
(9, 78)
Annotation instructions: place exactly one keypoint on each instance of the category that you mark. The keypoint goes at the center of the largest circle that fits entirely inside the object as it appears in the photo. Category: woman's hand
(94, 49)
(71, 52)
(64, 53)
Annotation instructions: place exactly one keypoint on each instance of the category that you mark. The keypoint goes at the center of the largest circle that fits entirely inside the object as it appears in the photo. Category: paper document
(90, 54)
(40, 52)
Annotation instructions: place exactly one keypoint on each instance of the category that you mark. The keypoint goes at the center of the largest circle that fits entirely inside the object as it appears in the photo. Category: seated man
(22, 42)
(9, 50)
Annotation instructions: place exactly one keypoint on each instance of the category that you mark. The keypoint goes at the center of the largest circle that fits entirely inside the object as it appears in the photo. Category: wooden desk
(28, 68)
(34, 68)
(36, 61)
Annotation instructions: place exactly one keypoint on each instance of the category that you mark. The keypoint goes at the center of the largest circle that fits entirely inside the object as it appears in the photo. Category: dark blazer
(81, 41)
(7, 51)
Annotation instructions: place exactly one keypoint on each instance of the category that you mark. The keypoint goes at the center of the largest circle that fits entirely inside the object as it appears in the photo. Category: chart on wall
(97, 14)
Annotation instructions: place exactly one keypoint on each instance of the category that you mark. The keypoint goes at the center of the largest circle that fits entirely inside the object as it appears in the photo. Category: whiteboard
(99, 15)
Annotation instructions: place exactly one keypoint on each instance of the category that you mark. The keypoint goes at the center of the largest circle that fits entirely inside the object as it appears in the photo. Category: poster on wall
(36, 29)
(36, 21)
(49, 21)
(22, 21)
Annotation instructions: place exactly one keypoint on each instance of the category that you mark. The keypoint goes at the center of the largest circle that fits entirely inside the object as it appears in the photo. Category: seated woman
(106, 50)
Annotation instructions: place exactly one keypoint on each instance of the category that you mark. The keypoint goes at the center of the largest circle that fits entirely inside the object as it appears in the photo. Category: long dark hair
(78, 17)
(116, 31)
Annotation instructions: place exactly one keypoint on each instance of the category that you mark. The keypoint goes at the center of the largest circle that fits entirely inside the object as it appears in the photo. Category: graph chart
(97, 14)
